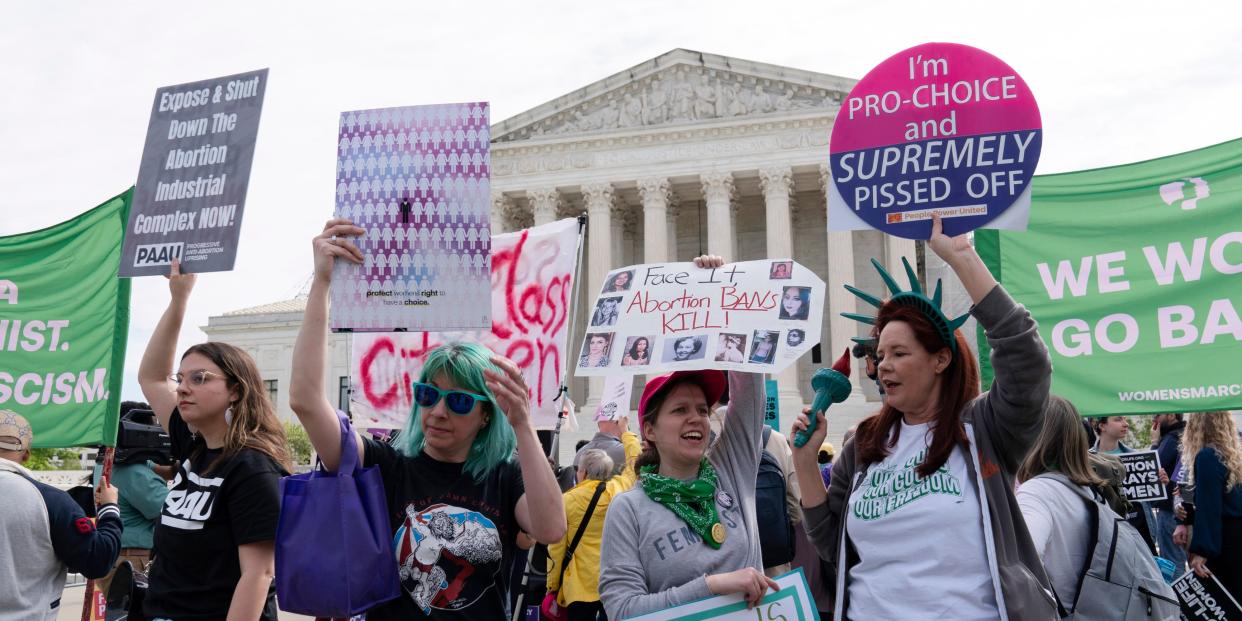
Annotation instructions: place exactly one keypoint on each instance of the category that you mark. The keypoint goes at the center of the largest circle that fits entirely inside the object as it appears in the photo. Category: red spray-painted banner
(532, 290)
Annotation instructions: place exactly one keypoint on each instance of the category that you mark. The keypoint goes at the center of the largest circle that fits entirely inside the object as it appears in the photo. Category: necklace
(694, 501)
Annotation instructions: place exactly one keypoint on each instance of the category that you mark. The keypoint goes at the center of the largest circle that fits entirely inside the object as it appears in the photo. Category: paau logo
(894, 218)
(158, 254)
(1175, 192)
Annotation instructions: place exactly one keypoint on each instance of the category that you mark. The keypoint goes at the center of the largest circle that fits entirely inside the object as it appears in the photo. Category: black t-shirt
(453, 536)
(206, 516)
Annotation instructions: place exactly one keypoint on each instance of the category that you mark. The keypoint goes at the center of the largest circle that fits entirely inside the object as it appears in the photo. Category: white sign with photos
(757, 316)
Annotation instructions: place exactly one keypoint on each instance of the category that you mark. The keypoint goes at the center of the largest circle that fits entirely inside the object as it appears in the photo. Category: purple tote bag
(334, 554)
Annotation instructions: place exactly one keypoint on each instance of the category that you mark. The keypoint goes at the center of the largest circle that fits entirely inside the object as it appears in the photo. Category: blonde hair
(1061, 446)
(1217, 430)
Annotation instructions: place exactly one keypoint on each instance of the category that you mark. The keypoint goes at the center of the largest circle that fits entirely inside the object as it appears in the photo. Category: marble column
(841, 272)
(655, 194)
(501, 206)
(718, 194)
(894, 249)
(777, 186)
(544, 203)
(601, 201)
(674, 212)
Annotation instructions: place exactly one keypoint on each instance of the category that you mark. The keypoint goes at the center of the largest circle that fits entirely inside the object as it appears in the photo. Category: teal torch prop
(830, 386)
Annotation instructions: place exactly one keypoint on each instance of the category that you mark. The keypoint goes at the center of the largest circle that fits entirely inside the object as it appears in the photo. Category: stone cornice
(621, 88)
(748, 147)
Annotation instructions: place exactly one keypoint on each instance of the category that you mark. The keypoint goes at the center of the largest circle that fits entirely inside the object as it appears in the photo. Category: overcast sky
(1116, 82)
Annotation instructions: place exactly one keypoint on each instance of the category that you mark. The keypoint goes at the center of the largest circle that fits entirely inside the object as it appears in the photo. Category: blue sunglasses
(459, 402)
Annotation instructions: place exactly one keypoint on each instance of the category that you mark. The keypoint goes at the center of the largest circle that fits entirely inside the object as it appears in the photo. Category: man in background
(143, 487)
(1166, 441)
(607, 439)
(44, 533)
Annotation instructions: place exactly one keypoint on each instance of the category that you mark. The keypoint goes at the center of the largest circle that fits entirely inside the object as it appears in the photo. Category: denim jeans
(1165, 523)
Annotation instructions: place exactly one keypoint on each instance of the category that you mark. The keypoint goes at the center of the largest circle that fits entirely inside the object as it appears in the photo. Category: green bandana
(693, 502)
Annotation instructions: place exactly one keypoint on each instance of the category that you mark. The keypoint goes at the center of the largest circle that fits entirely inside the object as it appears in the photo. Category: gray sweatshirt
(1001, 425)
(650, 559)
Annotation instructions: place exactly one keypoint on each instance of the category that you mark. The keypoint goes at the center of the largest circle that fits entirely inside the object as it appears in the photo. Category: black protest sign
(1142, 483)
(193, 176)
(1205, 599)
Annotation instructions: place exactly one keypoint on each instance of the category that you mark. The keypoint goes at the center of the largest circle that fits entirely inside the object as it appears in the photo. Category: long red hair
(959, 385)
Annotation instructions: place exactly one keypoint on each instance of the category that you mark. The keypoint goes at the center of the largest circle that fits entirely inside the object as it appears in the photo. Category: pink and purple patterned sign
(940, 128)
(417, 179)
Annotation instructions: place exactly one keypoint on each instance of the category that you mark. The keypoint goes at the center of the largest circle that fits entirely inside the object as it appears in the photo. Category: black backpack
(776, 533)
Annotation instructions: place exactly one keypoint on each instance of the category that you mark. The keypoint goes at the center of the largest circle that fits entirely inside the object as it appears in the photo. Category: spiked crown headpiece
(915, 299)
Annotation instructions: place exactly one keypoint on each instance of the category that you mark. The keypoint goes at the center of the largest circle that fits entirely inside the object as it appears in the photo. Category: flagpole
(563, 393)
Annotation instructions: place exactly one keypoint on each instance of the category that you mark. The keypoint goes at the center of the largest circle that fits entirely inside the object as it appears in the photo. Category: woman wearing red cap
(688, 531)
(921, 521)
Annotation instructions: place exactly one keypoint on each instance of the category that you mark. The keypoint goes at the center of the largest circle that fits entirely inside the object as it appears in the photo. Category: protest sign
(772, 404)
(790, 601)
(533, 272)
(1132, 274)
(1142, 482)
(64, 318)
(614, 402)
(1206, 599)
(193, 176)
(417, 179)
(661, 317)
(939, 128)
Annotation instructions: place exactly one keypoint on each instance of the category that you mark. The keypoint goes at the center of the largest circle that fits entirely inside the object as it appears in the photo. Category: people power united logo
(889, 489)
(439, 550)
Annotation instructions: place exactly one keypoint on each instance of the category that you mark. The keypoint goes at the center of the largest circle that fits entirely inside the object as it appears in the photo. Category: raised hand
(948, 248)
(709, 261)
(331, 243)
(180, 285)
(509, 386)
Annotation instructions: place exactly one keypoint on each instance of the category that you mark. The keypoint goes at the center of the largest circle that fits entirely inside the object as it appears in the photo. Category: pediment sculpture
(680, 95)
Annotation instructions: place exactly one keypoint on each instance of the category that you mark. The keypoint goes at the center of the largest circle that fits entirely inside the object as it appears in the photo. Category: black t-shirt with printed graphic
(206, 516)
(452, 536)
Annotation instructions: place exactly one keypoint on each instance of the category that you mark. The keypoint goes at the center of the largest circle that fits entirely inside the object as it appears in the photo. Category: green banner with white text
(1134, 274)
(64, 319)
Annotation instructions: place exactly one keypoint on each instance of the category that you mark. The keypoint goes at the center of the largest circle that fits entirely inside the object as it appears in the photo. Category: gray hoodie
(1001, 424)
(650, 560)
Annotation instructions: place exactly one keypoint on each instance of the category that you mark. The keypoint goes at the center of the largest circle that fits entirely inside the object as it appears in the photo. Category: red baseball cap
(712, 381)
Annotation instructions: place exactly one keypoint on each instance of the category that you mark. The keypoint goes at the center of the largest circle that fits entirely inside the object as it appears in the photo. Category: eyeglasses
(195, 378)
(459, 402)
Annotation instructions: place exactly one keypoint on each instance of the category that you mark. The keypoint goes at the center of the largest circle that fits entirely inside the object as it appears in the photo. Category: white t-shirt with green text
(919, 540)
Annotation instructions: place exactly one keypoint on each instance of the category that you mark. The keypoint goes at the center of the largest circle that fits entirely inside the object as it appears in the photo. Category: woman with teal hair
(456, 496)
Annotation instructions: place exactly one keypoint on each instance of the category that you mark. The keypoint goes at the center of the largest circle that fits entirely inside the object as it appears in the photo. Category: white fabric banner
(756, 316)
(532, 288)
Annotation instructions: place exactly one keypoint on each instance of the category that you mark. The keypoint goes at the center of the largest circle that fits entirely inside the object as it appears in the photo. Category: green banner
(1135, 275)
(64, 318)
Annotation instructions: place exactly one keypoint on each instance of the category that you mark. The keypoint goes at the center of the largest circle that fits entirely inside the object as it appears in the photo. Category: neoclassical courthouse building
(684, 154)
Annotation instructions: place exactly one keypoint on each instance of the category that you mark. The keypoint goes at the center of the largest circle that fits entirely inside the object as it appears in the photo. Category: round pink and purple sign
(940, 128)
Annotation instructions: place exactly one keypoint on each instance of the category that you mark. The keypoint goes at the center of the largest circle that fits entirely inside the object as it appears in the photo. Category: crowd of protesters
(949, 502)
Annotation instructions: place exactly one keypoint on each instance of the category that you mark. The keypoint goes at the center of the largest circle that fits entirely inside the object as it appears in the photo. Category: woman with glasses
(456, 497)
(214, 546)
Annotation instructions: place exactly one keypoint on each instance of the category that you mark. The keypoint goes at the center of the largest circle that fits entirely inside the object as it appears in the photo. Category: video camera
(140, 438)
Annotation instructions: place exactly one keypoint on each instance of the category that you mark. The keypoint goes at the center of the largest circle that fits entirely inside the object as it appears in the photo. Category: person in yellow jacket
(578, 594)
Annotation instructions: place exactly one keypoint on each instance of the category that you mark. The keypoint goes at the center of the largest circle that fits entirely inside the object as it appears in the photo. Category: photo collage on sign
(603, 348)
